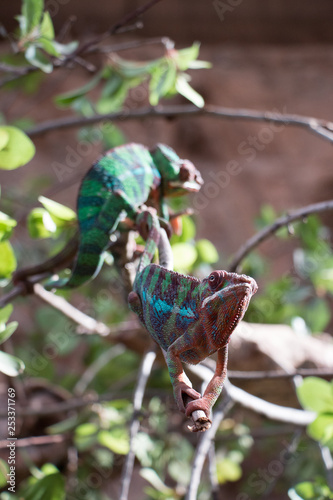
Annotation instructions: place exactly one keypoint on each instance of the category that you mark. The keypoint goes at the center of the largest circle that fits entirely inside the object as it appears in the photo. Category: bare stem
(203, 448)
(145, 370)
(269, 231)
(322, 128)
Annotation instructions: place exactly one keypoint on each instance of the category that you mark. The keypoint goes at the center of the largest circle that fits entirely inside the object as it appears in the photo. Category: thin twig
(212, 472)
(145, 370)
(76, 403)
(270, 230)
(314, 125)
(90, 325)
(328, 463)
(270, 410)
(35, 441)
(271, 374)
(203, 448)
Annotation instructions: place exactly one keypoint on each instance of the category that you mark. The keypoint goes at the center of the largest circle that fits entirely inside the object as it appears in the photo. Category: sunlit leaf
(227, 470)
(46, 27)
(40, 224)
(36, 57)
(183, 87)
(7, 260)
(162, 80)
(66, 99)
(153, 478)
(316, 394)
(115, 439)
(321, 429)
(32, 11)
(206, 251)
(4, 138)
(184, 256)
(5, 313)
(18, 151)
(6, 226)
(8, 331)
(58, 210)
(10, 365)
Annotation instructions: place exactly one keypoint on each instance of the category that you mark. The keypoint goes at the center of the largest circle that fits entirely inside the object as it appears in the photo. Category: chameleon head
(228, 297)
(180, 176)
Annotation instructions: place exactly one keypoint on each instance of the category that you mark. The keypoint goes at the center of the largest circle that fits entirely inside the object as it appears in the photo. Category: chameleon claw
(197, 405)
(182, 390)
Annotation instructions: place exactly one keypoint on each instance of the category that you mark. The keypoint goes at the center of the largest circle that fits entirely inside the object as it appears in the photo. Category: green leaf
(227, 470)
(32, 11)
(131, 69)
(153, 478)
(184, 256)
(206, 251)
(46, 27)
(18, 151)
(183, 88)
(7, 331)
(4, 138)
(37, 58)
(308, 490)
(51, 486)
(184, 57)
(8, 262)
(4, 470)
(57, 210)
(10, 365)
(188, 231)
(49, 46)
(65, 49)
(6, 226)
(66, 99)
(321, 429)
(40, 224)
(316, 394)
(5, 313)
(162, 80)
(115, 439)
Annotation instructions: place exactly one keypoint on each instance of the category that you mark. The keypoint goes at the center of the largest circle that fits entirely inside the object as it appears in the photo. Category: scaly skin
(117, 186)
(191, 319)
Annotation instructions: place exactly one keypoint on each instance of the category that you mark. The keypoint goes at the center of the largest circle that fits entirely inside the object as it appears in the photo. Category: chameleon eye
(184, 173)
(214, 280)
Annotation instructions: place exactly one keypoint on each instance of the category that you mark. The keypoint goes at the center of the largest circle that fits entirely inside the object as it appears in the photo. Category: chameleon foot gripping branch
(116, 187)
(190, 319)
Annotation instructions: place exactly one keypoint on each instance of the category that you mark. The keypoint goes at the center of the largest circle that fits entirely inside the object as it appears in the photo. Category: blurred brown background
(274, 56)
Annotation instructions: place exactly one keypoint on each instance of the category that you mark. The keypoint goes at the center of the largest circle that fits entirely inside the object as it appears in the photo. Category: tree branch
(269, 231)
(90, 325)
(320, 127)
(270, 374)
(144, 372)
(203, 448)
(270, 410)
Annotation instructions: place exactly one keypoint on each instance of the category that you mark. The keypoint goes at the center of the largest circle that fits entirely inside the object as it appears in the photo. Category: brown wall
(251, 21)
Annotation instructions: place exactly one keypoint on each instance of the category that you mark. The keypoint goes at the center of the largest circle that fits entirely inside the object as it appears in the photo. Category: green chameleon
(117, 186)
(189, 319)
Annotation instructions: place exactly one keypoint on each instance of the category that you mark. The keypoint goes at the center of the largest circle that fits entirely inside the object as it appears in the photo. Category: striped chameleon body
(114, 188)
(190, 319)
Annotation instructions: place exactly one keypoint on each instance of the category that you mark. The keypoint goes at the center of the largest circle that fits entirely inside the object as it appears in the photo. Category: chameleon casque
(190, 319)
(117, 186)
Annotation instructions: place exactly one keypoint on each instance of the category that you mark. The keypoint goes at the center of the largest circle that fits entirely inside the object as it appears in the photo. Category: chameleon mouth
(247, 290)
(188, 186)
